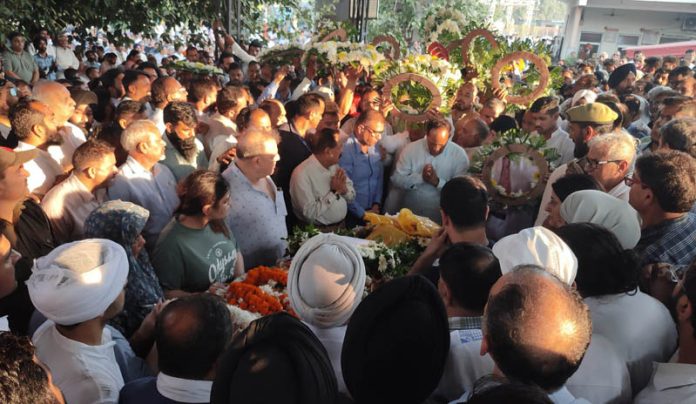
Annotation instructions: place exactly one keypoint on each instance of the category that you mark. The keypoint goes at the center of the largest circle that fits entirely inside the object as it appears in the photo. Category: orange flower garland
(262, 275)
(247, 294)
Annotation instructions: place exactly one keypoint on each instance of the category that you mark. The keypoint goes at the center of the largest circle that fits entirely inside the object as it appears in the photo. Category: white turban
(617, 216)
(78, 281)
(537, 246)
(588, 95)
(326, 281)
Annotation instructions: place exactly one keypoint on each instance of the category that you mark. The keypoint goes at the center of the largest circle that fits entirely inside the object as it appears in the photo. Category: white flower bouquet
(414, 96)
(343, 54)
(281, 55)
(195, 68)
(443, 25)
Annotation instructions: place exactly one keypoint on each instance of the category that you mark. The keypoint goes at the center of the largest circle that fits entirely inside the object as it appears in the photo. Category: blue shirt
(45, 64)
(257, 219)
(366, 172)
(671, 241)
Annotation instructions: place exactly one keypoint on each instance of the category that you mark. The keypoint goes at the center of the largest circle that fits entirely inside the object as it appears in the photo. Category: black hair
(306, 104)
(672, 178)
(326, 138)
(549, 105)
(22, 380)
(570, 183)
(503, 123)
(199, 88)
(191, 352)
(680, 134)
(464, 200)
(179, 111)
(131, 76)
(604, 267)
(469, 271)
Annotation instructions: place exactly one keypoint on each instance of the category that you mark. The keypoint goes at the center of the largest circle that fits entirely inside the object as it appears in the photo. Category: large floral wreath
(416, 98)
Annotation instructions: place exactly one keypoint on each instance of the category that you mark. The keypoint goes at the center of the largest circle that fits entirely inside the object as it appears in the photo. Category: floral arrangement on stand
(261, 291)
(195, 68)
(443, 24)
(281, 55)
(412, 97)
(482, 56)
(326, 26)
(508, 138)
(332, 54)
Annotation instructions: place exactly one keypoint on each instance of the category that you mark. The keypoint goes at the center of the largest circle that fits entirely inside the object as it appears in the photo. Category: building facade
(612, 25)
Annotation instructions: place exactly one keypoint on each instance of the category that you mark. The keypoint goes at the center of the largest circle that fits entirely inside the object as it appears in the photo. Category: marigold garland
(248, 295)
(262, 275)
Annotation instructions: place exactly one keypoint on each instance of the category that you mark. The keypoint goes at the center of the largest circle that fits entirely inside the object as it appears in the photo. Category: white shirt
(640, 328)
(332, 340)
(548, 191)
(67, 206)
(421, 197)
(563, 396)
(73, 137)
(670, 383)
(602, 376)
(312, 199)
(43, 170)
(621, 191)
(86, 374)
(219, 146)
(560, 140)
(464, 366)
(157, 116)
(219, 127)
(154, 191)
(65, 59)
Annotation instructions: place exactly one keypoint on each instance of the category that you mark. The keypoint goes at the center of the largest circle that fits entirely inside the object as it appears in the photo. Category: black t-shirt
(32, 237)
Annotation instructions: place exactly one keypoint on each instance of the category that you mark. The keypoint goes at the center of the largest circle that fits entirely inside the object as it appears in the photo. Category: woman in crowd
(122, 222)
(196, 252)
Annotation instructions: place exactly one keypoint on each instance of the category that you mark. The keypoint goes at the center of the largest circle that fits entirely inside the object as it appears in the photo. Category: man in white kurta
(423, 169)
(312, 197)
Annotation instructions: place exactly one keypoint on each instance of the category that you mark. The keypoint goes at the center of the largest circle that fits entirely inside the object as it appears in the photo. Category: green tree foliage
(118, 17)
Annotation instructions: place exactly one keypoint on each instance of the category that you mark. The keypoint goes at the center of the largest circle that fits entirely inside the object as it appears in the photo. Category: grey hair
(137, 132)
(616, 146)
(252, 141)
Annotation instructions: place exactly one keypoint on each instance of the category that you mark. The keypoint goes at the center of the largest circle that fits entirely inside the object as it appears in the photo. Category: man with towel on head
(78, 287)
(325, 284)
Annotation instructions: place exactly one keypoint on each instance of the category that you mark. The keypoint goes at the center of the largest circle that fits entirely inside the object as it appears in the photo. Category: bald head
(536, 328)
(191, 333)
(470, 132)
(57, 97)
(259, 119)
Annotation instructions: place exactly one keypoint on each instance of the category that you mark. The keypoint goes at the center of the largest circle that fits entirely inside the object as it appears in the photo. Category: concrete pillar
(571, 36)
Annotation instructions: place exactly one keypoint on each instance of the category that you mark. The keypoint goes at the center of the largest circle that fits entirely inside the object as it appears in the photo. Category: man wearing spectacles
(663, 191)
(371, 101)
(609, 160)
(362, 162)
(584, 123)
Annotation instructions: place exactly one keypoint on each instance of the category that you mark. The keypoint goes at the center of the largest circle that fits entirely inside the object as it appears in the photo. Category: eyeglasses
(374, 133)
(630, 181)
(592, 163)
(276, 157)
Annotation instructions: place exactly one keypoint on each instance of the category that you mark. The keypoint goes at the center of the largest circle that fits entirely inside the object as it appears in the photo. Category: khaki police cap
(594, 112)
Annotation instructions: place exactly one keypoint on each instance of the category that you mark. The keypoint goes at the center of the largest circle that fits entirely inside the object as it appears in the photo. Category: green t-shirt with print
(192, 259)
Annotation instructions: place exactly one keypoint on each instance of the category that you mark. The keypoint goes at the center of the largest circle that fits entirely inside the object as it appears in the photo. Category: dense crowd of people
(132, 194)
